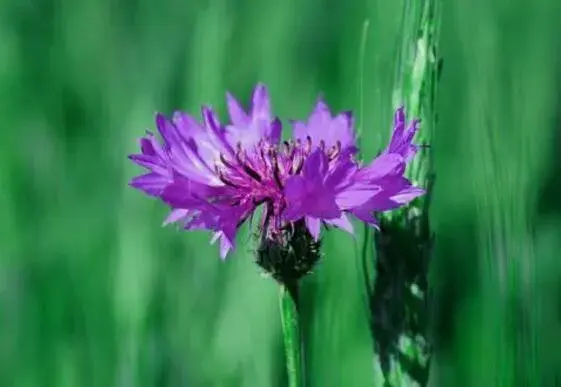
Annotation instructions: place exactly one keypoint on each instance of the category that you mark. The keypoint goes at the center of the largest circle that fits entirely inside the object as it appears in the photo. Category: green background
(94, 292)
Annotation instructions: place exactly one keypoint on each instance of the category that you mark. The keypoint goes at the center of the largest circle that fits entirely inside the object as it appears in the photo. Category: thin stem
(288, 302)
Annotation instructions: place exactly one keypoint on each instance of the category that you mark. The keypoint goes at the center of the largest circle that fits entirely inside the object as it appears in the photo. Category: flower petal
(176, 215)
(185, 193)
(152, 184)
(248, 129)
(316, 166)
(343, 223)
(356, 195)
(237, 115)
(314, 226)
(147, 147)
(307, 194)
(226, 244)
(407, 195)
(151, 163)
(365, 216)
(322, 127)
(215, 131)
(401, 140)
(166, 129)
(261, 107)
(196, 138)
(389, 164)
(395, 193)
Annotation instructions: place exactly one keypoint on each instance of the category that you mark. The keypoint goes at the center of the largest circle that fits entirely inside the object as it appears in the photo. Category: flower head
(214, 176)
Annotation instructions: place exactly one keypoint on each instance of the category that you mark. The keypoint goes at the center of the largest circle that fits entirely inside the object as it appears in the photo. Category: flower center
(268, 165)
(258, 176)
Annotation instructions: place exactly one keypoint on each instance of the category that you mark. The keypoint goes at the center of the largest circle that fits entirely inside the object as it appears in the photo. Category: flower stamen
(334, 151)
(276, 170)
(308, 145)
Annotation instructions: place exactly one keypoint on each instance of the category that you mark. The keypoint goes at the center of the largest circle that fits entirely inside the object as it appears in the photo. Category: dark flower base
(291, 257)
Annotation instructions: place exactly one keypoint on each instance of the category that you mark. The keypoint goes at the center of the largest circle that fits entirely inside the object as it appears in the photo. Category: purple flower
(214, 176)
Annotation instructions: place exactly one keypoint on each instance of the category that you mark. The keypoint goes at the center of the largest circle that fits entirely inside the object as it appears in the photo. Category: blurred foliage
(93, 292)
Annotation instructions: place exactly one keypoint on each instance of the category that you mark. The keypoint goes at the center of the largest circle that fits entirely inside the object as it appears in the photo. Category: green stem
(288, 298)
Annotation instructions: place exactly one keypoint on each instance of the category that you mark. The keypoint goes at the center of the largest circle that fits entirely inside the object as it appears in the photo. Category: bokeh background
(93, 292)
